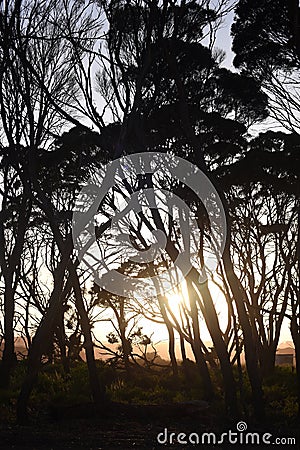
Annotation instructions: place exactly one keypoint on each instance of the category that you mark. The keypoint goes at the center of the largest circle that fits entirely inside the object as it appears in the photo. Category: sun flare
(174, 300)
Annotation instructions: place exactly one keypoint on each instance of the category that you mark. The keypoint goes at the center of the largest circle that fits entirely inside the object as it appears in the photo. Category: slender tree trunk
(10, 271)
(44, 336)
(295, 331)
(172, 350)
(41, 340)
(126, 345)
(182, 348)
(197, 349)
(267, 359)
(251, 355)
(212, 323)
(295, 328)
(238, 351)
(66, 248)
(213, 326)
(9, 358)
(98, 390)
(170, 335)
(61, 337)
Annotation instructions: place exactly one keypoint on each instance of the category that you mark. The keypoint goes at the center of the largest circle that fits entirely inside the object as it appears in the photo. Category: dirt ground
(125, 427)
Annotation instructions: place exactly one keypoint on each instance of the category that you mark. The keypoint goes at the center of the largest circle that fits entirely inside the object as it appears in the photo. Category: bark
(42, 339)
(44, 336)
(295, 331)
(197, 349)
(267, 359)
(251, 355)
(126, 345)
(98, 390)
(9, 358)
(170, 334)
(172, 350)
(213, 326)
(61, 337)
(10, 271)
(182, 348)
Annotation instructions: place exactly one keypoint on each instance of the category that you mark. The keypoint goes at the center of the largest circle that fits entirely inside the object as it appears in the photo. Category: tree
(39, 75)
(266, 42)
(167, 93)
(161, 71)
(55, 200)
(267, 176)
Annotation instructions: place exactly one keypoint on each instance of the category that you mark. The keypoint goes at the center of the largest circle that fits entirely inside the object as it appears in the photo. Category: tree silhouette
(169, 86)
(147, 77)
(266, 43)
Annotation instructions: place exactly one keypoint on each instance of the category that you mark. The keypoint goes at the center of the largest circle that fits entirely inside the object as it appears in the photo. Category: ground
(132, 427)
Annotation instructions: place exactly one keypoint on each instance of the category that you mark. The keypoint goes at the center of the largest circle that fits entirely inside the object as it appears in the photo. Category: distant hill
(20, 348)
(285, 351)
(286, 347)
(286, 344)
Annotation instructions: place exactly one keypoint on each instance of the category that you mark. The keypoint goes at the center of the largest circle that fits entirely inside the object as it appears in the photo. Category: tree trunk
(10, 272)
(170, 335)
(172, 351)
(251, 356)
(213, 327)
(98, 390)
(9, 358)
(61, 337)
(182, 348)
(43, 336)
(295, 331)
(267, 359)
(197, 349)
(126, 345)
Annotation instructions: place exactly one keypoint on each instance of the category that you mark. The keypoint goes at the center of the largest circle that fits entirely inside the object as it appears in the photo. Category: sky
(224, 40)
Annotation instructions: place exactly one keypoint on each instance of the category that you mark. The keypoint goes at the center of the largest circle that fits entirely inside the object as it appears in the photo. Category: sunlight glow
(174, 300)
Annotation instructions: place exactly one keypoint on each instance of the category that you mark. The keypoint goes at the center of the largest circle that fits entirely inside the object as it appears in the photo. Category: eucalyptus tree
(266, 42)
(39, 90)
(63, 168)
(168, 93)
(171, 95)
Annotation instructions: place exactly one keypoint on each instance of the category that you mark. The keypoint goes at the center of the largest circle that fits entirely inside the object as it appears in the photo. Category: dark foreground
(129, 426)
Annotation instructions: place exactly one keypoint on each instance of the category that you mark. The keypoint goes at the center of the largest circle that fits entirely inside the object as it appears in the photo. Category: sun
(176, 297)
(178, 301)
(174, 300)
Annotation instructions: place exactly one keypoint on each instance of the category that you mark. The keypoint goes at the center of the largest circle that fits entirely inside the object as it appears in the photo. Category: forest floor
(130, 427)
(142, 412)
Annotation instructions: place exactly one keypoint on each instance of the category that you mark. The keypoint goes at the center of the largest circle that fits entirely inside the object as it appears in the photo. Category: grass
(55, 388)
